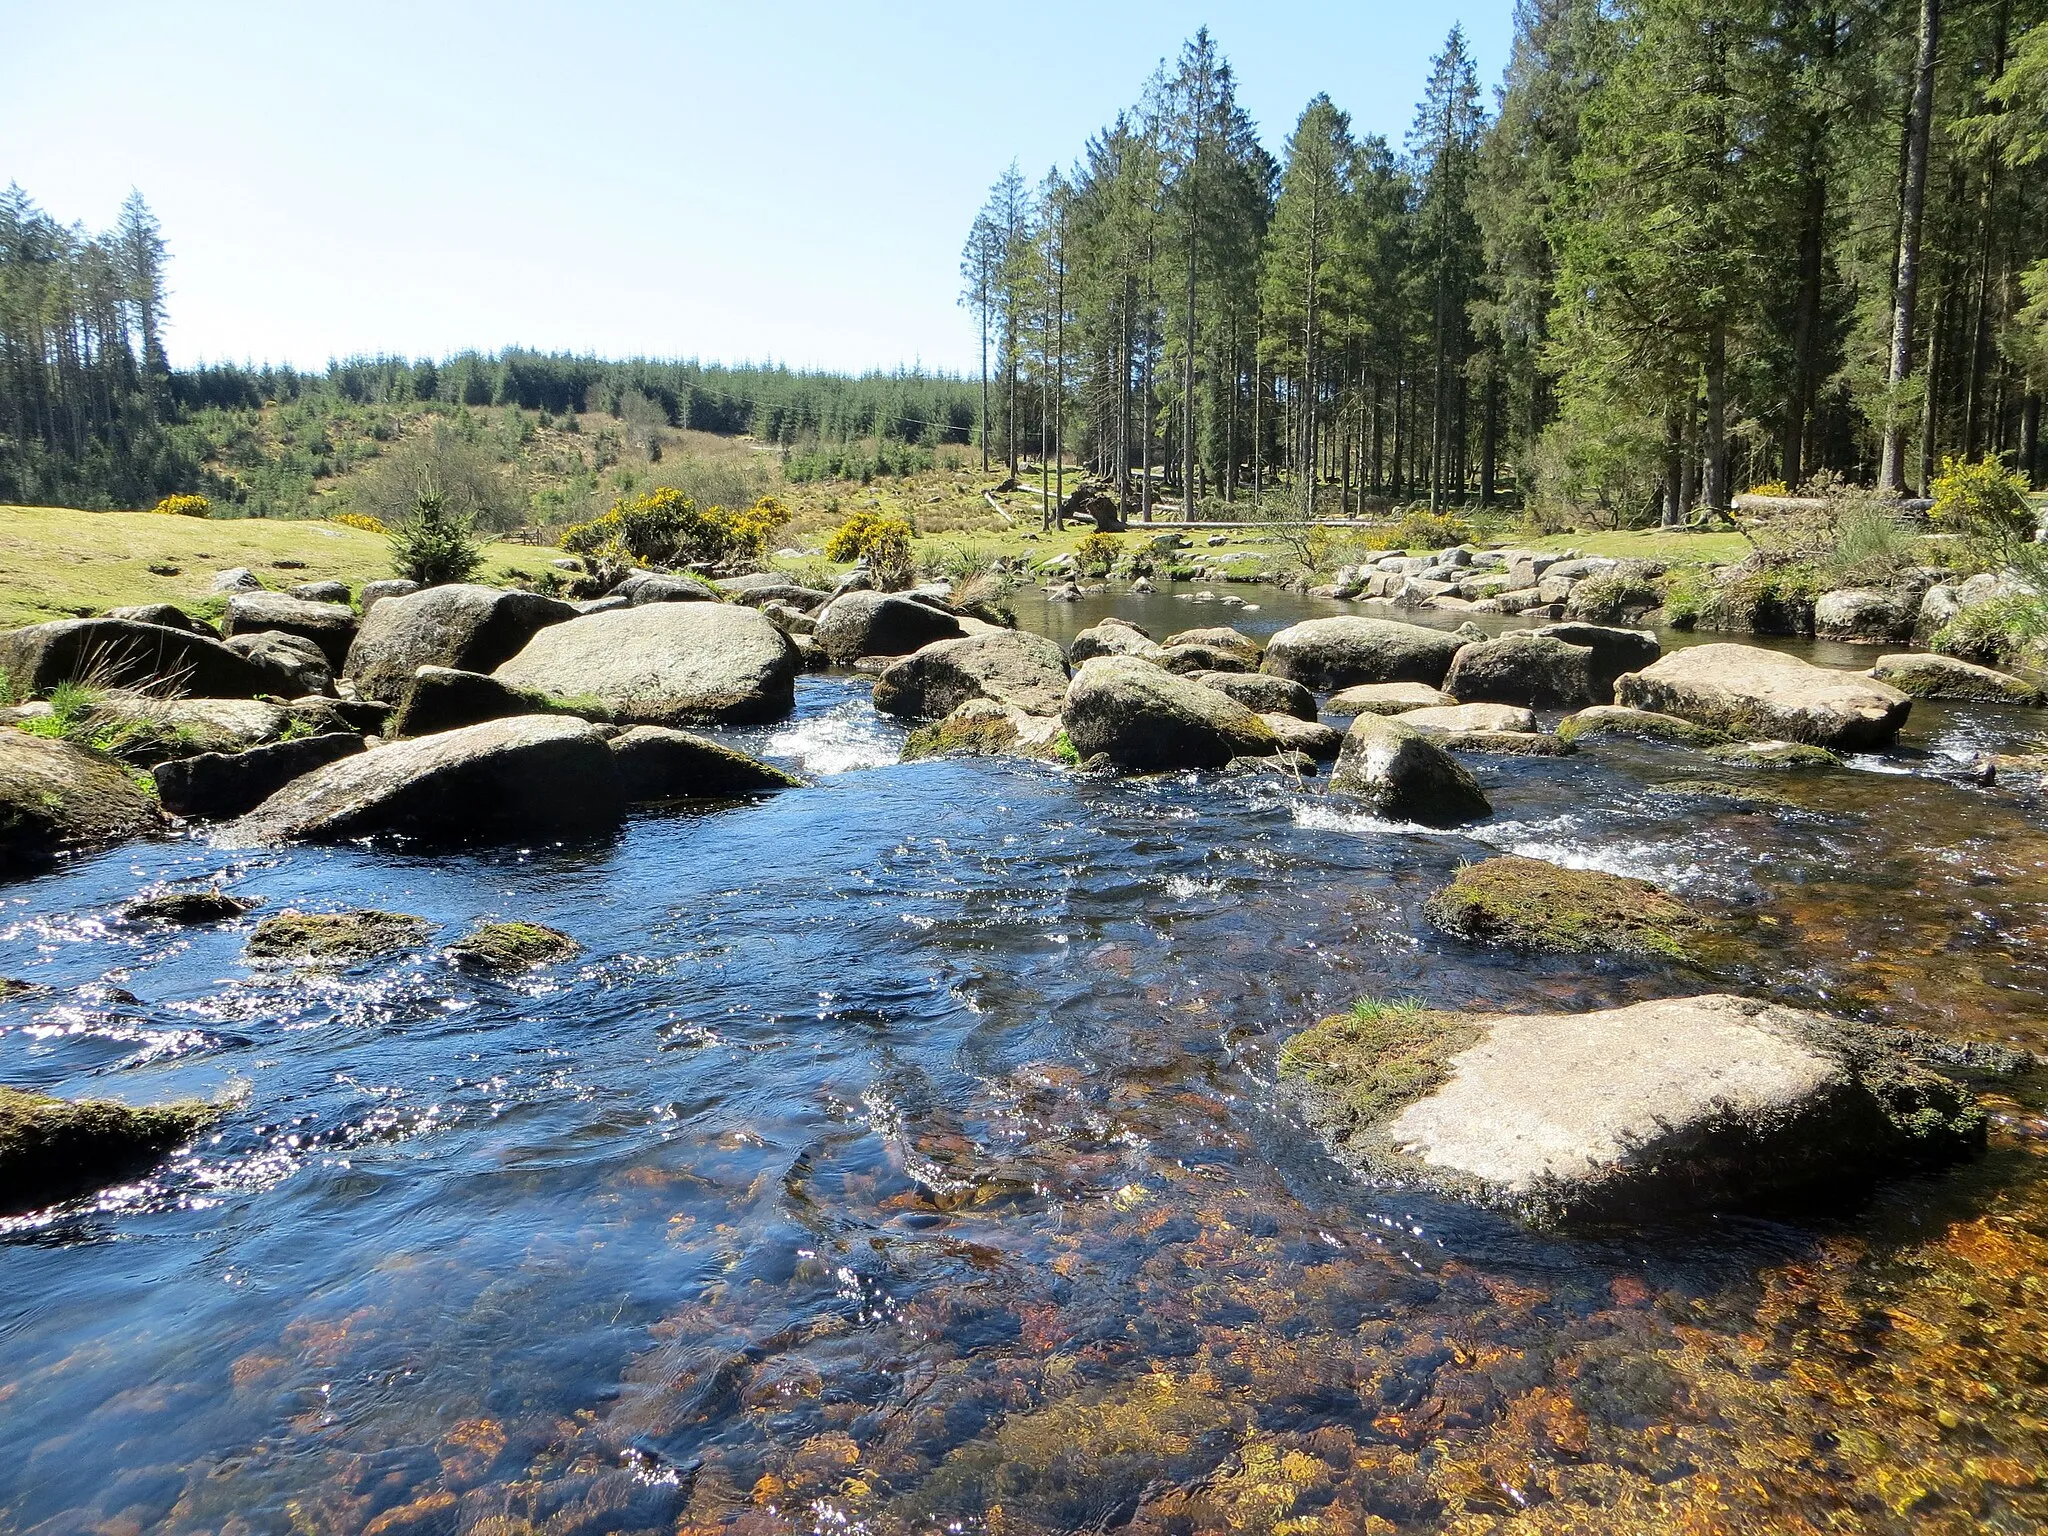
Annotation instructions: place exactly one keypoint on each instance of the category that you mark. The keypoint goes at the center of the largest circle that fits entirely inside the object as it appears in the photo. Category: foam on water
(848, 737)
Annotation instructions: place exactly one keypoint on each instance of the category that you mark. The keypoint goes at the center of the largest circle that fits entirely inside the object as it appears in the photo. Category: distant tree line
(1693, 245)
(92, 413)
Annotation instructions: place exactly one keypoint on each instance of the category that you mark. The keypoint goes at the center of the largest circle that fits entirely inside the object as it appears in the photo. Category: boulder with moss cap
(1701, 1103)
(1746, 691)
(56, 799)
(1531, 904)
(513, 947)
(1944, 677)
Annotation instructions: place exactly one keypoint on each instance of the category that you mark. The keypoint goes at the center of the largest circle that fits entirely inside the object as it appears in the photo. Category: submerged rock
(1944, 677)
(51, 1149)
(1401, 773)
(1145, 719)
(213, 786)
(114, 653)
(1783, 756)
(1744, 690)
(513, 947)
(861, 624)
(471, 628)
(188, 908)
(1711, 1102)
(665, 664)
(56, 799)
(657, 763)
(535, 775)
(1536, 671)
(1531, 904)
(1384, 699)
(986, 728)
(1345, 651)
(1010, 666)
(336, 938)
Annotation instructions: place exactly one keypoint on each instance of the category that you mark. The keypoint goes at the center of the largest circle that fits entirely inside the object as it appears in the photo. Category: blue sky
(738, 181)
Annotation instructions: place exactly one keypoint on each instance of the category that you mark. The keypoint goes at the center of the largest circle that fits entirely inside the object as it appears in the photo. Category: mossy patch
(1636, 724)
(335, 938)
(52, 1148)
(1531, 904)
(514, 947)
(987, 736)
(1778, 756)
(1362, 1067)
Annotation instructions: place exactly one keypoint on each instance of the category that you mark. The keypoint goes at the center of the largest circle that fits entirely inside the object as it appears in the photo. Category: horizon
(300, 246)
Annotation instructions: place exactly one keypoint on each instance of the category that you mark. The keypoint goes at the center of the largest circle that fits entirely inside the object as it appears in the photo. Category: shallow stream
(903, 1155)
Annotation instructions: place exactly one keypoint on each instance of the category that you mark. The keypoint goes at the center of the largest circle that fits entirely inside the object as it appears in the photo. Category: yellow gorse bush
(183, 505)
(362, 522)
(869, 533)
(664, 527)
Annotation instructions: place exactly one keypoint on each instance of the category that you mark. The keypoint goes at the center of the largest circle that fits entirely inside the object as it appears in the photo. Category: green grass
(1366, 1065)
(61, 563)
(1651, 544)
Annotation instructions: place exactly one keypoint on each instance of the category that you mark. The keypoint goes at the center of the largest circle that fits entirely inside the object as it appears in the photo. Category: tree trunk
(1806, 326)
(1717, 418)
(1891, 473)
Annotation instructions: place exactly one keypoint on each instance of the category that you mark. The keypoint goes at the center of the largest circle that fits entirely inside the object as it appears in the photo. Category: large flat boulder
(216, 785)
(56, 799)
(1944, 677)
(1008, 665)
(1403, 774)
(1746, 691)
(665, 664)
(118, 653)
(1343, 651)
(1711, 1102)
(1384, 699)
(1455, 719)
(858, 624)
(144, 730)
(331, 626)
(1534, 671)
(1145, 719)
(534, 776)
(447, 698)
(473, 628)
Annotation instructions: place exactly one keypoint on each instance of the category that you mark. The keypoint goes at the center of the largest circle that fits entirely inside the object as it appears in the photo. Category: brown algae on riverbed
(1002, 1236)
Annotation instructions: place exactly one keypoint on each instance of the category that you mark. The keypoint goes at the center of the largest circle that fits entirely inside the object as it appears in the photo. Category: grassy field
(60, 563)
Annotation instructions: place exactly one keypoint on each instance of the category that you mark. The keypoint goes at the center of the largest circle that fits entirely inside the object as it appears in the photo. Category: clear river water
(904, 1155)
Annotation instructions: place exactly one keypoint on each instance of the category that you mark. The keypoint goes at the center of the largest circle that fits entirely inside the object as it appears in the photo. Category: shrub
(664, 527)
(1869, 547)
(1984, 498)
(1097, 553)
(466, 475)
(884, 542)
(184, 506)
(362, 522)
(1421, 530)
(434, 546)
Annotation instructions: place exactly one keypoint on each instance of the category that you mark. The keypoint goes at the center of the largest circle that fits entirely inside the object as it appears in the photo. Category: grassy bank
(60, 563)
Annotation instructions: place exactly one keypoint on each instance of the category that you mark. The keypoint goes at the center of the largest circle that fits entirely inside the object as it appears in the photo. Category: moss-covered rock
(57, 799)
(1636, 724)
(988, 728)
(1779, 756)
(211, 905)
(53, 1148)
(1531, 904)
(336, 938)
(1741, 797)
(513, 947)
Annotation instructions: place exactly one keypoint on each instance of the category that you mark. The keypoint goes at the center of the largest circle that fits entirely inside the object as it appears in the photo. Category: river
(903, 1155)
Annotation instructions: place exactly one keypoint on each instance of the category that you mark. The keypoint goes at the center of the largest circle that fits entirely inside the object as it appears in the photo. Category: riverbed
(904, 1155)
